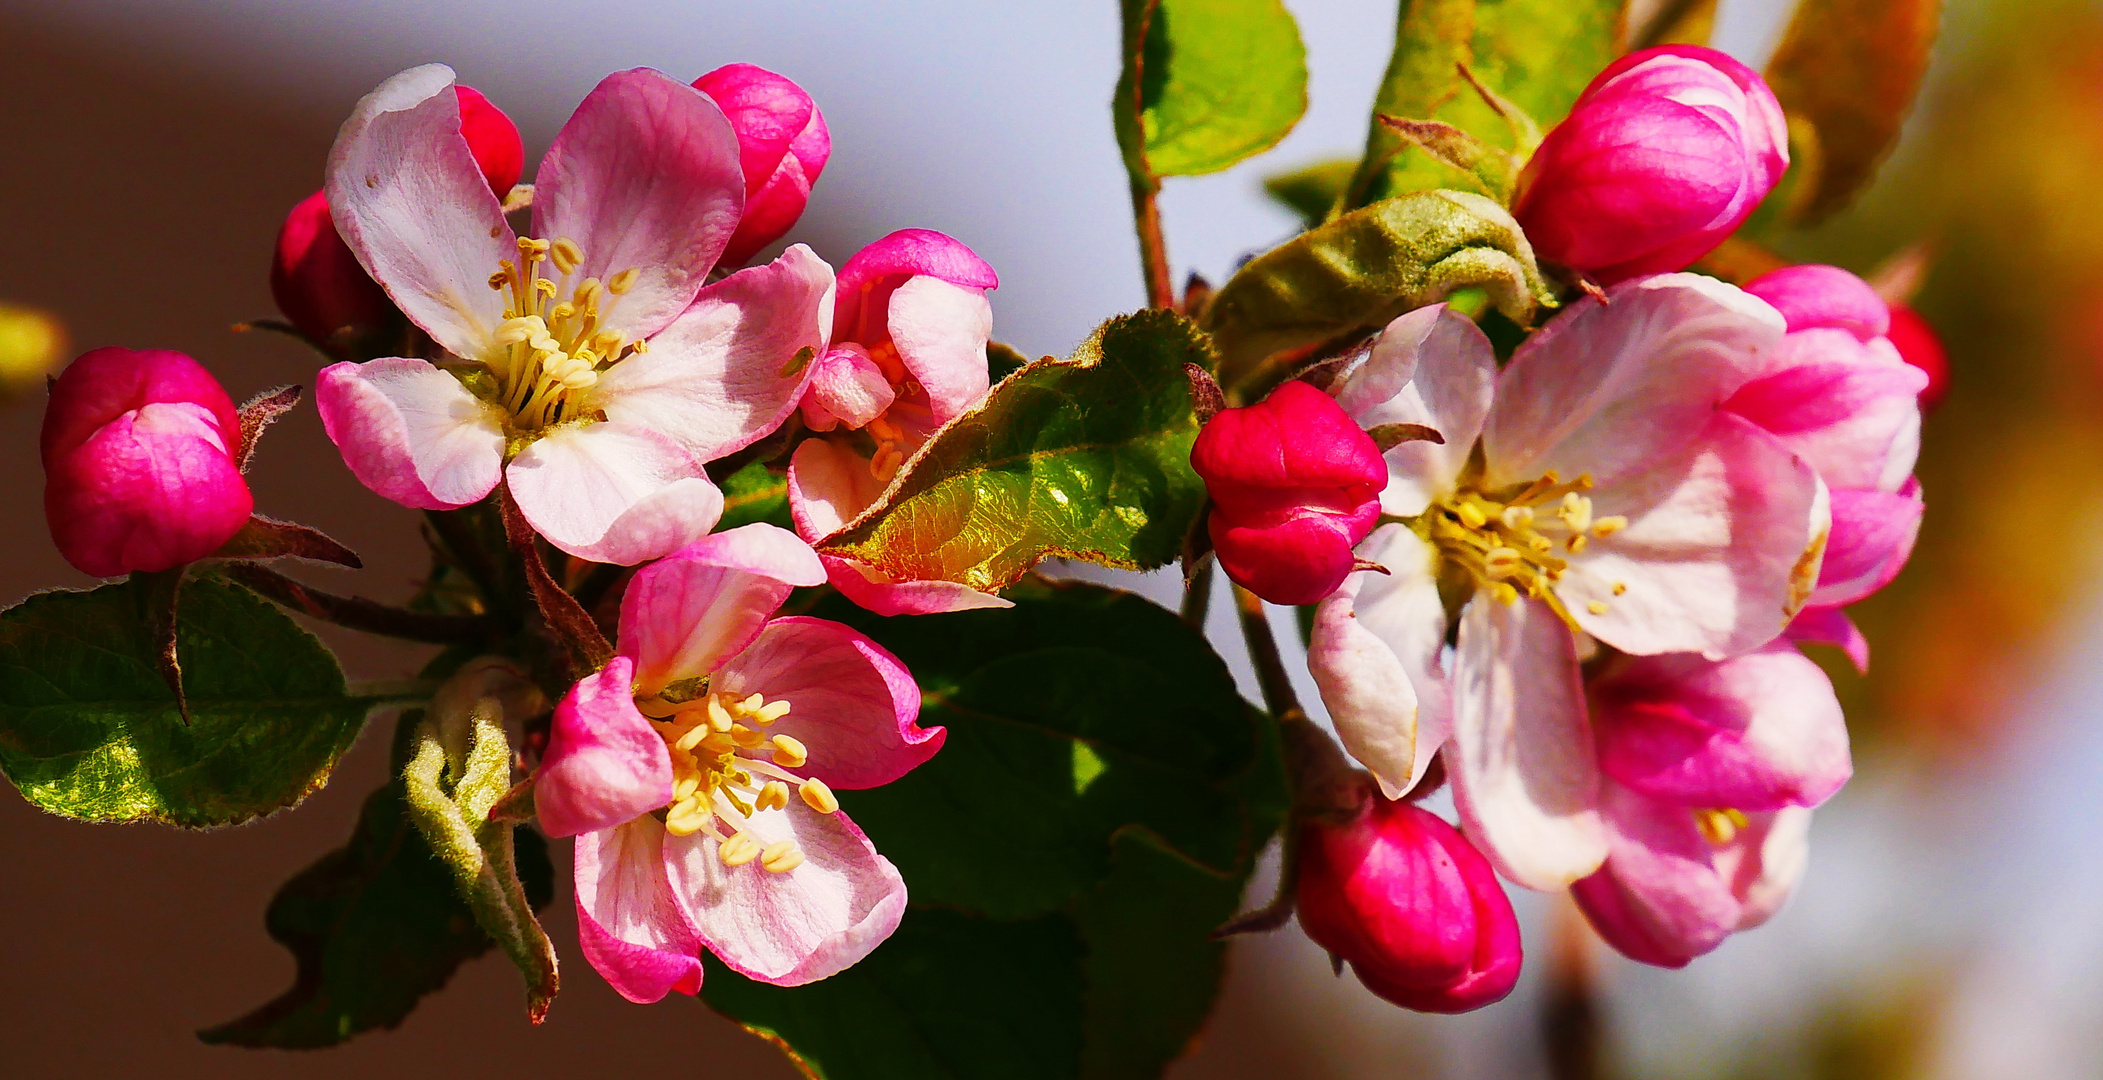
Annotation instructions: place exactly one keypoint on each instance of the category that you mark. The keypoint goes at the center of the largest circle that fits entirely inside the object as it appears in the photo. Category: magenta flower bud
(1920, 346)
(139, 470)
(1295, 485)
(782, 144)
(1411, 905)
(315, 279)
(1662, 158)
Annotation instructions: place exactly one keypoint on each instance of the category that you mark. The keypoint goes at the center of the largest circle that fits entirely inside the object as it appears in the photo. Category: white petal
(614, 493)
(1374, 654)
(1434, 367)
(411, 432)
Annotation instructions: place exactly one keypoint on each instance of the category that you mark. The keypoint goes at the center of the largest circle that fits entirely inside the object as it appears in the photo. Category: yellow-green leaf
(1206, 83)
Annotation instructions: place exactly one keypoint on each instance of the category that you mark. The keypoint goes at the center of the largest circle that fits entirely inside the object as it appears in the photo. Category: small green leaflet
(1209, 82)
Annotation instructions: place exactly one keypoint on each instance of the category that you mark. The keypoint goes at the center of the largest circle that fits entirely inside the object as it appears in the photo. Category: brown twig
(566, 618)
(358, 613)
(1271, 678)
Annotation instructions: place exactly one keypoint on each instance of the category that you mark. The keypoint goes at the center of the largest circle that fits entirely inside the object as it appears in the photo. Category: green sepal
(1366, 267)
(89, 728)
(1086, 457)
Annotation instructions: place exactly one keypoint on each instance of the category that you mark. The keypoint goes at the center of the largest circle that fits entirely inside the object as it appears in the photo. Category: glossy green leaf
(1080, 712)
(1087, 457)
(88, 729)
(949, 997)
(1206, 83)
(373, 926)
(1850, 68)
(755, 493)
(1535, 54)
(1368, 266)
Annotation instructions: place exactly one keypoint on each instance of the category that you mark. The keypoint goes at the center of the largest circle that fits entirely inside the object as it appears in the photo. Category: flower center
(1516, 541)
(725, 769)
(553, 343)
(1720, 827)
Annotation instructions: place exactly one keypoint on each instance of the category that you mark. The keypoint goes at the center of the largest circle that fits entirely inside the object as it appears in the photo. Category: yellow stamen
(774, 796)
(781, 857)
(789, 752)
(739, 850)
(818, 797)
(619, 284)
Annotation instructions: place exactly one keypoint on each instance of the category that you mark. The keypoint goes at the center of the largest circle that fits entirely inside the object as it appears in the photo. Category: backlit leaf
(1206, 83)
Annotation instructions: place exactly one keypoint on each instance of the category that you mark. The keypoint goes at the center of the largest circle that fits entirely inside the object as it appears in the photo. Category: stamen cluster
(726, 768)
(553, 341)
(1511, 542)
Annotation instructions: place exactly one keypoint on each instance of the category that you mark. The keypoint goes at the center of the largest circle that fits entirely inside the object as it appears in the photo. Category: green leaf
(1492, 169)
(1535, 54)
(373, 926)
(1079, 712)
(949, 997)
(1368, 266)
(1850, 68)
(1087, 457)
(1208, 82)
(756, 493)
(1313, 191)
(88, 729)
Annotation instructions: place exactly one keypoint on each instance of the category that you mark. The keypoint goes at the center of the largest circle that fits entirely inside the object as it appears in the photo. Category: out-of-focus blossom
(599, 370)
(1710, 773)
(1295, 485)
(1594, 485)
(737, 726)
(1918, 344)
(315, 279)
(782, 143)
(1410, 905)
(1663, 157)
(32, 345)
(1838, 392)
(139, 469)
(907, 354)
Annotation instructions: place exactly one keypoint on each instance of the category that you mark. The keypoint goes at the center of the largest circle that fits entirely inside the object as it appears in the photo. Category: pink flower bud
(139, 471)
(1663, 156)
(1295, 486)
(1919, 345)
(315, 279)
(1411, 905)
(782, 143)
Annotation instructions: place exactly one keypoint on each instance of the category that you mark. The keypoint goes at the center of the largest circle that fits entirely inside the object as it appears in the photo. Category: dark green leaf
(756, 493)
(1087, 457)
(949, 997)
(88, 728)
(1003, 360)
(1368, 266)
(1208, 82)
(373, 926)
(1313, 192)
(1850, 68)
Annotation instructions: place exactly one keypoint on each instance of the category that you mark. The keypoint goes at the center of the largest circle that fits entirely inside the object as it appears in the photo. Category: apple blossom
(696, 771)
(1295, 484)
(139, 462)
(1919, 345)
(908, 353)
(1710, 773)
(597, 370)
(1595, 487)
(783, 145)
(1410, 905)
(315, 278)
(1663, 156)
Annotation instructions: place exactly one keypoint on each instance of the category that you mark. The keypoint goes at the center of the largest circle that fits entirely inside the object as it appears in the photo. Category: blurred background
(1951, 925)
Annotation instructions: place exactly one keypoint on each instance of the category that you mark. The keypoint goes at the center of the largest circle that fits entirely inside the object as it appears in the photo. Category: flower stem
(1276, 685)
(1153, 247)
(358, 613)
(1197, 596)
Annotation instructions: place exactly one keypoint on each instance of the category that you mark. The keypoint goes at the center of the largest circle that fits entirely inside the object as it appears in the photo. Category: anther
(1471, 515)
(739, 850)
(1620, 587)
(620, 283)
(533, 250)
(566, 254)
(498, 280)
(1502, 562)
(789, 752)
(718, 716)
(1597, 607)
(817, 796)
(782, 857)
(692, 738)
(770, 713)
(1517, 517)
(1608, 526)
(747, 738)
(772, 797)
(1576, 543)
(885, 464)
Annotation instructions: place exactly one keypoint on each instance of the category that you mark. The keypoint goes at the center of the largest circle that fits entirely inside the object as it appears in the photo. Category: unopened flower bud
(139, 470)
(315, 279)
(783, 144)
(1412, 906)
(1663, 157)
(1295, 485)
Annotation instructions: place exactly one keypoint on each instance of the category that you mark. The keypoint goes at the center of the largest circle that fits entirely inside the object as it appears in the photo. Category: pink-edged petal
(1873, 535)
(873, 591)
(789, 929)
(907, 253)
(846, 387)
(1434, 367)
(1722, 547)
(411, 201)
(1813, 296)
(940, 330)
(643, 177)
(629, 924)
(1525, 777)
(1850, 408)
(614, 492)
(411, 432)
(1374, 655)
(1663, 900)
(1755, 732)
(727, 371)
(686, 614)
(829, 483)
(851, 703)
(1766, 862)
(605, 764)
(1609, 388)
(1831, 626)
